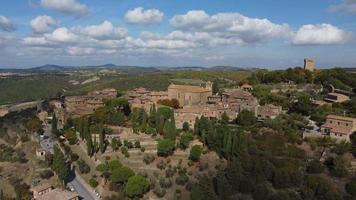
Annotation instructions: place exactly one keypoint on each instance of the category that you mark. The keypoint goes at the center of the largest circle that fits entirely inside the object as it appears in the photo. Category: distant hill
(48, 68)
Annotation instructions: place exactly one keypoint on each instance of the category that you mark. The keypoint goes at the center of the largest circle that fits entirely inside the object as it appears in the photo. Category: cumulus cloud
(348, 6)
(141, 16)
(69, 7)
(43, 24)
(106, 30)
(230, 25)
(320, 34)
(6, 24)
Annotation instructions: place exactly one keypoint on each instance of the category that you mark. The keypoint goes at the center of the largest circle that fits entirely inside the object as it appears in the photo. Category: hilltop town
(276, 133)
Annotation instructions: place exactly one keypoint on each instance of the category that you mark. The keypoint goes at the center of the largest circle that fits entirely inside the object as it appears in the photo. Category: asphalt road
(82, 190)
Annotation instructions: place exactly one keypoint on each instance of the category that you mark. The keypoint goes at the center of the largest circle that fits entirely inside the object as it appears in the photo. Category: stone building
(239, 100)
(339, 127)
(46, 192)
(268, 111)
(189, 95)
(309, 64)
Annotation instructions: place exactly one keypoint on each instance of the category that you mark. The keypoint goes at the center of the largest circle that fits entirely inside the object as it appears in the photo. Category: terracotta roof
(57, 194)
(159, 93)
(338, 129)
(41, 187)
(189, 88)
(341, 118)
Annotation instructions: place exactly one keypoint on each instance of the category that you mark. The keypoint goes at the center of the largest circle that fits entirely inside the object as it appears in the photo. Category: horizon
(158, 33)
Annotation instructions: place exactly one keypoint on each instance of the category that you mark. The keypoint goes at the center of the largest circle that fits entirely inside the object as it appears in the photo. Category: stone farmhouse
(339, 127)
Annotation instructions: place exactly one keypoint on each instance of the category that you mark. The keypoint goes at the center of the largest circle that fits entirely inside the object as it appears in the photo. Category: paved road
(81, 189)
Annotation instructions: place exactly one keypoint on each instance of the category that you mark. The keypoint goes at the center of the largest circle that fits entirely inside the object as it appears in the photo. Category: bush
(93, 183)
(142, 149)
(159, 192)
(165, 182)
(125, 152)
(182, 179)
(170, 172)
(195, 153)
(137, 144)
(46, 174)
(161, 165)
(114, 164)
(148, 159)
(83, 167)
(315, 167)
(350, 187)
(136, 186)
(102, 167)
(74, 157)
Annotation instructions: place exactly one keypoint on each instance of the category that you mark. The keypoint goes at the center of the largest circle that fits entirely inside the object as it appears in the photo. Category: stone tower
(309, 64)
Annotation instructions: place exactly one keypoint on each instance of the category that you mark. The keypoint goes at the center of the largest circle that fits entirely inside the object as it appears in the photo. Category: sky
(254, 33)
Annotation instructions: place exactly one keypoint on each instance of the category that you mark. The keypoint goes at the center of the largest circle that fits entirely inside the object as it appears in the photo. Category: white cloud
(70, 7)
(320, 34)
(106, 30)
(141, 16)
(348, 6)
(62, 34)
(43, 24)
(6, 24)
(78, 51)
(231, 25)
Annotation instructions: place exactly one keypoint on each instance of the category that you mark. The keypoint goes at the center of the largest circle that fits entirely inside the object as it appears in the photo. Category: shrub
(46, 174)
(165, 182)
(182, 179)
(137, 144)
(159, 192)
(114, 164)
(315, 167)
(161, 165)
(142, 149)
(195, 153)
(125, 152)
(93, 183)
(83, 167)
(74, 157)
(102, 167)
(148, 159)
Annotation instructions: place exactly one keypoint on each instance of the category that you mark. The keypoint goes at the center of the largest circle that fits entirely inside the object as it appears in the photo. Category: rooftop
(189, 88)
(57, 194)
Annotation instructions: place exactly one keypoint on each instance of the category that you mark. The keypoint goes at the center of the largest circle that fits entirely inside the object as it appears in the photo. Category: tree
(102, 145)
(185, 139)
(116, 144)
(165, 147)
(225, 118)
(246, 118)
(59, 164)
(215, 87)
(34, 125)
(315, 167)
(71, 136)
(169, 130)
(303, 105)
(186, 126)
(54, 124)
(203, 190)
(136, 186)
(195, 153)
(350, 187)
(121, 175)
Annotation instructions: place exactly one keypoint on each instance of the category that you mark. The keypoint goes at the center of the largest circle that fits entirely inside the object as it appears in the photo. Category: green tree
(59, 164)
(165, 147)
(54, 124)
(116, 144)
(121, 175)
(136, 186)
(169, 130)
(195, 153)
(34, 125)
(186, 126)
(350, 187)
(203, 190)
(225, 118)
(185, 139)
(246, 118)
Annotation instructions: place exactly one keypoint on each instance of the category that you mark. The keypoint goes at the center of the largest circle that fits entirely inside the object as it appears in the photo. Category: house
(190, 95)
(247, 87)
(339, 127)
(47, 192)
(268, 111)
(40, 190)
(334, 97)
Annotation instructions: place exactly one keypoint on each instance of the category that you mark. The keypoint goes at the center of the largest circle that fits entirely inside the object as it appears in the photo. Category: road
(75, 181)
(82, 188)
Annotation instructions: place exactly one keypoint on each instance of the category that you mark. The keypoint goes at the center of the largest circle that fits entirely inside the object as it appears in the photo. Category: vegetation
(136, 186)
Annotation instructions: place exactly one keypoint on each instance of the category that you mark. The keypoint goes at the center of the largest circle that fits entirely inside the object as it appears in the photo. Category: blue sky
(254, 33)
